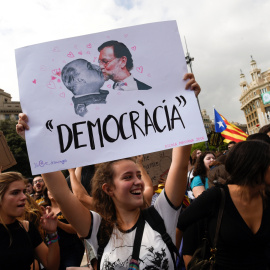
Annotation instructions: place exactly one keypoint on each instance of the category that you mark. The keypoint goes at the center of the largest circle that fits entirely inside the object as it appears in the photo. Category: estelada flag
(228, 131)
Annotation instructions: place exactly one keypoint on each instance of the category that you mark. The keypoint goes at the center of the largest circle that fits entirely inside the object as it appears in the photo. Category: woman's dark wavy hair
(200, 168)
(248, 162)
(103, 203)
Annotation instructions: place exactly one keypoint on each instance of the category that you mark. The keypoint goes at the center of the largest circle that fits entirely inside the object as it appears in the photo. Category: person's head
(203, 163)
(117, 184)
(38, 184)
(81, 77)
(194, 155)
(12, 196)
(231, 144)
(260, 137)
(114, 58)
(248, 164)
(265, 129)
(29, 186)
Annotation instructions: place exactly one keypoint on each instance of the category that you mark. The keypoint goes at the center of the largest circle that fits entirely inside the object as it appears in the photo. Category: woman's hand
(48, 220)
(192, 84)
(22, 125)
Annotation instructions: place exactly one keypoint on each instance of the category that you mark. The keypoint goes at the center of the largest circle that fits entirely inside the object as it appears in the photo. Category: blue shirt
(197, 181)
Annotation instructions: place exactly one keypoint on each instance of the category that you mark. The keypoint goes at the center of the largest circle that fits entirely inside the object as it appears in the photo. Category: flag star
(220, 124)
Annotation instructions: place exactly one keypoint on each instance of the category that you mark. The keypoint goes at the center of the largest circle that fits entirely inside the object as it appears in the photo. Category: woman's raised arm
(176, 182)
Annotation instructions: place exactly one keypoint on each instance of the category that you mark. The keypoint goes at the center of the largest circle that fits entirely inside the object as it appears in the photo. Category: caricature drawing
(115, 61)
(84, 80)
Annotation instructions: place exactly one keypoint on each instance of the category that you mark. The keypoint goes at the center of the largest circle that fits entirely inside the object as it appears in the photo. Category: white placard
(80, 116)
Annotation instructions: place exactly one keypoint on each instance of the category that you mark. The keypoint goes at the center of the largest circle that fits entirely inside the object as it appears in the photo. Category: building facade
(255, 99)
(206, 121)
(9, 110)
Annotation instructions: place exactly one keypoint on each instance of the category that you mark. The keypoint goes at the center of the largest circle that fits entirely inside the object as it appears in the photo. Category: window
(16, 116)
(254, 93)
(263, 90)
(255, 113)
(257, 121)
(7, 116)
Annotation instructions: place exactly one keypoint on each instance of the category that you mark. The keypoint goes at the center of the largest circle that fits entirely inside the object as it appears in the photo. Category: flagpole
(189, 60)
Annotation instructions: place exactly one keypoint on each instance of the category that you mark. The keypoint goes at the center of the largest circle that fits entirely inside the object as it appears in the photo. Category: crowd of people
(108, 210)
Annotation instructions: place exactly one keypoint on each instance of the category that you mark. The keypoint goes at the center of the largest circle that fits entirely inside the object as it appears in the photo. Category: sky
(221, 36)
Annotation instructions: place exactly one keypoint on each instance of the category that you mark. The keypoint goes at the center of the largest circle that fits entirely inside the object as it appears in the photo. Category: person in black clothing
(21, 241)
(244, 232)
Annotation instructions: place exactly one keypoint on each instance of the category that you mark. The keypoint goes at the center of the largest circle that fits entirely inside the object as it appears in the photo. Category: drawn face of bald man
(82, 78)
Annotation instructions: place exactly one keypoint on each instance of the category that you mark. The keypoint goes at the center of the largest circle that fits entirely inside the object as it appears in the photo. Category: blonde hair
(6, 179)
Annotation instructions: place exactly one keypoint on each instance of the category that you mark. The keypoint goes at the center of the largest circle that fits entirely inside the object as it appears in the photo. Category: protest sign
(84, 107)
(7, 159)
(157, 164)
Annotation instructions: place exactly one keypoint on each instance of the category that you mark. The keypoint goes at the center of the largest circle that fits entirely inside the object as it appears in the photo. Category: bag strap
(101, 244)
(136, 244)
(138, 238)
(156, 222)
(220, 214)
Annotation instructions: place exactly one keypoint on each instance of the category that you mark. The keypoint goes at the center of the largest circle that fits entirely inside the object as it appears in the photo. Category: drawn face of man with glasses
(115, 61)
(112, 67)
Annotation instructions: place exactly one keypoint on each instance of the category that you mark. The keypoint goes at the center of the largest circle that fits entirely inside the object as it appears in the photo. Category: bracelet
(52, 238)
(52, 235)
(52, 241)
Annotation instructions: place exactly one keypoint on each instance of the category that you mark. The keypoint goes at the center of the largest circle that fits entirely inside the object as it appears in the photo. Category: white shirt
(128, 84)
(153, 252)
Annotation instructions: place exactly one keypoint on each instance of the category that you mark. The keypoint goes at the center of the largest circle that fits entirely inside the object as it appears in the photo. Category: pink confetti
(51, 85)
(56, 49)
(70, 54)
(139, 69)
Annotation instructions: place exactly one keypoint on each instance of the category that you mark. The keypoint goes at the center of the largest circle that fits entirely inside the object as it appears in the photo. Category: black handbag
(204, 256)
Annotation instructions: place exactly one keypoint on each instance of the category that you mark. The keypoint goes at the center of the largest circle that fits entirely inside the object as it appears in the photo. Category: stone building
(8, 109)
(255, 98)
(206, 121)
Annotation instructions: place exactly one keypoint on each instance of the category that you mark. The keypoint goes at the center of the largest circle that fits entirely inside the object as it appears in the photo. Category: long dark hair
(200, 168)
(103, 203)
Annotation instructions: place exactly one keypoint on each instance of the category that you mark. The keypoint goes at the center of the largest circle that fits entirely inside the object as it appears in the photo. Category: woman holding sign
(120, 231)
